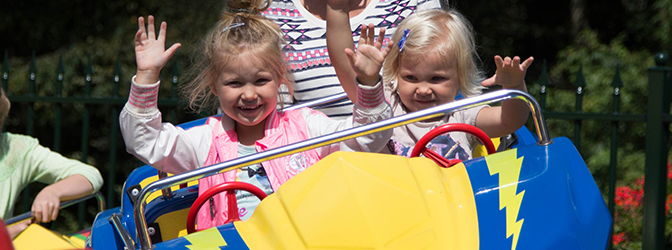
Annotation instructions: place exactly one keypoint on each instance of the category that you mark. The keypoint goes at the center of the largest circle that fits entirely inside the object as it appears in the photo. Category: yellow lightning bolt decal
(508, 167)
(208, 239)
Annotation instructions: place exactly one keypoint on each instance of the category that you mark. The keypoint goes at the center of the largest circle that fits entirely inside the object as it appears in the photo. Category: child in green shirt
(23, 160)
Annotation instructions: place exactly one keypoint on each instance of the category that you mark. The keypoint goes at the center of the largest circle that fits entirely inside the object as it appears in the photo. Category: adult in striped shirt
(304, 27)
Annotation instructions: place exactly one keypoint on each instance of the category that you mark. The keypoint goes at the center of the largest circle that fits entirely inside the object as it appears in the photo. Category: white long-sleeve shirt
(175, 150)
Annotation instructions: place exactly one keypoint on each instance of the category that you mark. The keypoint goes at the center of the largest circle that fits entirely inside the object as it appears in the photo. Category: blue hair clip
(403, 39)
(233, 25)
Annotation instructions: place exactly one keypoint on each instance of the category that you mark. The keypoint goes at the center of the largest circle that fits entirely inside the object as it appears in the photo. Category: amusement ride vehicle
(536, 193)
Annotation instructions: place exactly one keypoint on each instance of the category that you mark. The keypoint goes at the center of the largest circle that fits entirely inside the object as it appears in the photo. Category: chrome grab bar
(129, 244)
(318, 102)
(167, 193)
(97, 195)
(441, 110)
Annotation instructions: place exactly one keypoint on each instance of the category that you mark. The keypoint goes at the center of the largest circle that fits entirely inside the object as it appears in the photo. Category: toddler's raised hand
(150, 52)
(369, 57)
(510, 72)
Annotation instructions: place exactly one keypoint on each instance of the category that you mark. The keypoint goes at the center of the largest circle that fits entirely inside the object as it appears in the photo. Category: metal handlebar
(97, 195)
(441, 110)
(319, 102)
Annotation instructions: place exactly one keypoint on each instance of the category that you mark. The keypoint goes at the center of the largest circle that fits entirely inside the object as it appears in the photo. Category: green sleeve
(48, 167)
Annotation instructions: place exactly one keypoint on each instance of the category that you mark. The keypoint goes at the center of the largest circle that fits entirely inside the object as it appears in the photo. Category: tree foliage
(624, 34)
(100, 33)
(599, 63)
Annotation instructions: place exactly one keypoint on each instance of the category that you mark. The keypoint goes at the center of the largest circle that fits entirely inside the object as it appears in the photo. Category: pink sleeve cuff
(370, 96)
(143, 96)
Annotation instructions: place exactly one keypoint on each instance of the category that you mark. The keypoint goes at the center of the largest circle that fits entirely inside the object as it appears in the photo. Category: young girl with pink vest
(242, 68)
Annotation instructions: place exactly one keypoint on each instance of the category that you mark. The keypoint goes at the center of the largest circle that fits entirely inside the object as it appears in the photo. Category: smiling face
(427, 81)
(247, 91)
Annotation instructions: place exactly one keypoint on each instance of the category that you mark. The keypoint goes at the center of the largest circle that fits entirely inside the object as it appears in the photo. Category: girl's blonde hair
(258, 37)
(448, 33)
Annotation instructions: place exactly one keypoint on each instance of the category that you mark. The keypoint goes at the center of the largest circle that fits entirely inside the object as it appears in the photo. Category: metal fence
(26, 102)
(657, 119)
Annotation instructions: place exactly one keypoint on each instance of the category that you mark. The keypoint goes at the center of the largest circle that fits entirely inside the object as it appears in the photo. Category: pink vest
(282, 128)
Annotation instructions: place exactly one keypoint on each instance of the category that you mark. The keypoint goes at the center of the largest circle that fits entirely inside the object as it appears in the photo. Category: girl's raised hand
(368, 59)
(150, 52)
(510, 72)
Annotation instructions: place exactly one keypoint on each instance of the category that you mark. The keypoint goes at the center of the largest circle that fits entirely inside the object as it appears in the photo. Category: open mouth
(249, 108)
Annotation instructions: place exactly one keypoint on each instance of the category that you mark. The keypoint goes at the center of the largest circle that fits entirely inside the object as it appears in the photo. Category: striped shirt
(306, 51)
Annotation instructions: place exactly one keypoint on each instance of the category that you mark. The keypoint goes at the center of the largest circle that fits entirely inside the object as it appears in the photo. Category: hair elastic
(233, 25)
(402, 41)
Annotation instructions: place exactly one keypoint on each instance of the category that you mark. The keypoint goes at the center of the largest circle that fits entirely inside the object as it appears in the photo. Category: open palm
(150, 52)
(510, 72)
(368, 59)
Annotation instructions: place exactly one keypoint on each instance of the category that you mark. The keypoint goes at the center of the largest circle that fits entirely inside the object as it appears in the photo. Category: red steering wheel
(420, 146)
(229, 188)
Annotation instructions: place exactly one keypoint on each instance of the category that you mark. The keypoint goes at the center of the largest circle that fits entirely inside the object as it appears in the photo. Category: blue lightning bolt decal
(507, 166)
